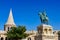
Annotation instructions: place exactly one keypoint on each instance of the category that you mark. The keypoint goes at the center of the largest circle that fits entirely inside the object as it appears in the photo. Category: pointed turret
(10, 22)
(10, 19)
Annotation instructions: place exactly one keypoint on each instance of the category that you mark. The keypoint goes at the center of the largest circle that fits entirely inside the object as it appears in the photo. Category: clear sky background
(25, 12)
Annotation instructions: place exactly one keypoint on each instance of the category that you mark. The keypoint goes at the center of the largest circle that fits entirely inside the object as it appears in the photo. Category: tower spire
(10, 20)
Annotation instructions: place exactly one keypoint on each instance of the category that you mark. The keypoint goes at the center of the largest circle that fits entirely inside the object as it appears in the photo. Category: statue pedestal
(45, 32)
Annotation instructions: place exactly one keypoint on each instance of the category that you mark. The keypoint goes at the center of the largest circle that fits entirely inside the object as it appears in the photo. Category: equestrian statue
(43, 17)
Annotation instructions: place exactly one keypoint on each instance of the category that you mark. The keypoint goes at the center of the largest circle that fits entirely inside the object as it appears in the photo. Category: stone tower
(10, 22)
(45, 32)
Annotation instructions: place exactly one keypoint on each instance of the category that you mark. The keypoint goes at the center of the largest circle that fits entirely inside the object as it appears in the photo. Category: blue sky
(25, 12)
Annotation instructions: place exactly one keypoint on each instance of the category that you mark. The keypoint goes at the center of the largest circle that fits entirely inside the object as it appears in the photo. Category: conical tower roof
(10, 20)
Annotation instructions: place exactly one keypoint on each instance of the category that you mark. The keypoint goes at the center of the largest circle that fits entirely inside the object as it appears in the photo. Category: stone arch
(2, 38)
(5, 38)
(9, 39)
(29, 38)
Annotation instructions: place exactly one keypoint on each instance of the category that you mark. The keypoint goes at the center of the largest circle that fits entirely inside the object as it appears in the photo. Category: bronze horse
(43, 17)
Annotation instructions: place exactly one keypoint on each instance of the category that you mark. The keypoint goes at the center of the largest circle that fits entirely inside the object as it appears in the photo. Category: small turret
(10, 22)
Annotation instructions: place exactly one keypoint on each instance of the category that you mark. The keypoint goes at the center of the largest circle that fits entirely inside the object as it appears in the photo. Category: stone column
(4, 38)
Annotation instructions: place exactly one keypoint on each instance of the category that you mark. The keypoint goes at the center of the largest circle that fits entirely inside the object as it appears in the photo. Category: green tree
(17, 33)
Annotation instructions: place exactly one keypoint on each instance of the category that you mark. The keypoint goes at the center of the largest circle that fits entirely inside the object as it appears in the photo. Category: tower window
(8, 28)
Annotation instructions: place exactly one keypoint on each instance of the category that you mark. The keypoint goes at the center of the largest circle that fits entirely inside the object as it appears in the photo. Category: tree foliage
(17, 32)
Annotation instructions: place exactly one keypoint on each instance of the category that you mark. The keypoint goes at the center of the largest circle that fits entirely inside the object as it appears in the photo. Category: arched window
(6, 38)
(9, 39)
(50, 30)
(8, 28)
(1, 38)
(29, 38)
(45, 31)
